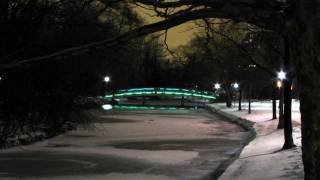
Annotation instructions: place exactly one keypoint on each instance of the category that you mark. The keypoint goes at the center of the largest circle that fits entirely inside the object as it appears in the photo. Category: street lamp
(236, 85)
(217, 86)
(279, 84)
(281, 75)
(107, 79)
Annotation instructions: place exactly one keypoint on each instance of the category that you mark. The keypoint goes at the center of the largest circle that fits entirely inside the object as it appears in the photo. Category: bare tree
(297, 19)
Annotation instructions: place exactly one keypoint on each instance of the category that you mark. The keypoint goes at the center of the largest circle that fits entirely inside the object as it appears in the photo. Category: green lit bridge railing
(161, 92)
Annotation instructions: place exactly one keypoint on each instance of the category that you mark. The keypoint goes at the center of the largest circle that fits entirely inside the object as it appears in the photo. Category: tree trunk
(287, 95)
(288, 140)
(228, 97)
(182, 101)
(229, 102)
(281, 119)
(274, 103)
(310, 119)
(309, 76)
(4, 6)
(240, 97)
(308, 63)
(249, 101)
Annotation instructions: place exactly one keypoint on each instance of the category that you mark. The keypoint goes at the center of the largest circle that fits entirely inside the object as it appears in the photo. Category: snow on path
(263, 159)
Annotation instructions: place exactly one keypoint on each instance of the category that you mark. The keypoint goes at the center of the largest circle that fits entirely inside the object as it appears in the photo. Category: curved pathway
(263, 158)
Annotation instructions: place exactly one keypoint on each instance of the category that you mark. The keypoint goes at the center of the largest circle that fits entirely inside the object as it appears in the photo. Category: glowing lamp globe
(236, 85)
(281, 75)
(107, 79)
(217, 86)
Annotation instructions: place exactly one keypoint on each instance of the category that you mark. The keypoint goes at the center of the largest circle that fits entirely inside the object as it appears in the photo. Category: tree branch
(240, 14)
(246, 53)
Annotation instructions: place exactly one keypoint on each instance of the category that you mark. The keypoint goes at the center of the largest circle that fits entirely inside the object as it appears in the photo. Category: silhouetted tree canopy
(296, 20)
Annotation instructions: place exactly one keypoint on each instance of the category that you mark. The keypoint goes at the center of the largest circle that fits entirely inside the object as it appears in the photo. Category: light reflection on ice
(107, 106)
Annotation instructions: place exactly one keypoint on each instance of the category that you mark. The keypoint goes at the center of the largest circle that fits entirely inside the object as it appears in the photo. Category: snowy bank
(263, 157)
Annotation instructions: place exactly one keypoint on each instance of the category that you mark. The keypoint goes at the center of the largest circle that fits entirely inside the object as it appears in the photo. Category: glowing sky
(177, 36)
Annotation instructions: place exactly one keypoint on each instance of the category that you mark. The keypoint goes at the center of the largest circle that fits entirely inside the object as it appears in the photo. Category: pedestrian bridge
(176, 92)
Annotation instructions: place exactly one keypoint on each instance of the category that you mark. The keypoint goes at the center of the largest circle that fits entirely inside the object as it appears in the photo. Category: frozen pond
(120, 144)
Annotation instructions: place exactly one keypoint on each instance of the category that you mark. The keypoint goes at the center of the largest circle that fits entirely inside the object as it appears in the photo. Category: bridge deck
(161, 92)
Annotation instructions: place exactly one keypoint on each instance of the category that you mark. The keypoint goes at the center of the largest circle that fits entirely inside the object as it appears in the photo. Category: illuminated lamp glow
(281, 75)
(107, 79)
(279, 84)
(236, 85)
(217, 86)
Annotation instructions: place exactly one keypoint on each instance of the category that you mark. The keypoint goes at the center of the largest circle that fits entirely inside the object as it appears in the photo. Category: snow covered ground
(263, 158)
(130, 145)
(161, 145)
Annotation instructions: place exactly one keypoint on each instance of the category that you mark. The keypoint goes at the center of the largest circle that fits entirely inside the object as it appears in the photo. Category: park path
(263, 159)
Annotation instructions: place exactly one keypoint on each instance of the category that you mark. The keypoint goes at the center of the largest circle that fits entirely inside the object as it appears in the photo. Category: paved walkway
(263, 159)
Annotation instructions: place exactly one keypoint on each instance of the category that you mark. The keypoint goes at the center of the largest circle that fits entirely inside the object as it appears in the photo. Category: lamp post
(217, 86)
(274, 99)
(228, 93)
(236, 86)
(106, 79)
(281, 77)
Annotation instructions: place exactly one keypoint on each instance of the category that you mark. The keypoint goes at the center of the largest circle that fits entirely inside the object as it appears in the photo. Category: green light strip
(147, 107)
(162, 91)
